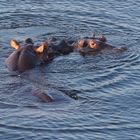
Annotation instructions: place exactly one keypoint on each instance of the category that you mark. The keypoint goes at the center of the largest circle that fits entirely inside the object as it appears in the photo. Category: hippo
(94, 45)
(27, 55)
(24, 57)
(59, 47)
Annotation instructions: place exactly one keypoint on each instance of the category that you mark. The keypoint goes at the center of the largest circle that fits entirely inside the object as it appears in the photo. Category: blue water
(107, 85)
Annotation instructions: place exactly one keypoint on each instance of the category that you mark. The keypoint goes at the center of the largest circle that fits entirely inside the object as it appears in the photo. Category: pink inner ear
(14, 44)
(41, 48)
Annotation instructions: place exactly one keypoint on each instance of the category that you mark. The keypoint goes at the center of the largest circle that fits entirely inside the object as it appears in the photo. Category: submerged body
(28, 56)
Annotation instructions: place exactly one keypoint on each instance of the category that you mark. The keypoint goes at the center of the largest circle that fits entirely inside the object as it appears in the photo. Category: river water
(107, 85)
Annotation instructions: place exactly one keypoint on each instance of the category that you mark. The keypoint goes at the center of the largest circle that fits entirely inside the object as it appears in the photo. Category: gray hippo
(24, 57)
(94, 45)
(59, 47)
(27, 55)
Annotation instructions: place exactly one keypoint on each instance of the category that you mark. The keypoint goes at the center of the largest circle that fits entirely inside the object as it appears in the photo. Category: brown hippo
(59, 47)
(24, 57)
(93, 45)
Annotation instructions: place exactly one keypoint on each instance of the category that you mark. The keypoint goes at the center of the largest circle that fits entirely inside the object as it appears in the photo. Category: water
(107, 85)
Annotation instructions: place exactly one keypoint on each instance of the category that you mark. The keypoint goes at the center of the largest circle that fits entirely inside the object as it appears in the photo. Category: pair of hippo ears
(14, 44)
(101, 38)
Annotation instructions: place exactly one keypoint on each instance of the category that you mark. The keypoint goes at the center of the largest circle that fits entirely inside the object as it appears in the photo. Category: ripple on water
(107, 84)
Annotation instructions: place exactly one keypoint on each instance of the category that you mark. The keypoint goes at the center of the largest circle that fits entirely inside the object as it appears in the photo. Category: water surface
(108, 85)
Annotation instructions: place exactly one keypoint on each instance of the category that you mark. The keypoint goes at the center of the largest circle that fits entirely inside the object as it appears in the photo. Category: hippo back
(12, 61)
(27, 59)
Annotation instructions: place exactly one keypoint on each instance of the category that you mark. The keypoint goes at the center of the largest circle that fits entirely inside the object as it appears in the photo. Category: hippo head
(97, 43)
(23, 58)
(92, 44)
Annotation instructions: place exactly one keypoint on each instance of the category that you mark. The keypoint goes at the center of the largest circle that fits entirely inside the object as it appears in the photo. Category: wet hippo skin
(23, 58)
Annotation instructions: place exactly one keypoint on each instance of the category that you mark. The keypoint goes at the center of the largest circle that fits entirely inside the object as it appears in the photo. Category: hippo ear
(41, 48)
(94, 35)
(14, 44)
(103, 38)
